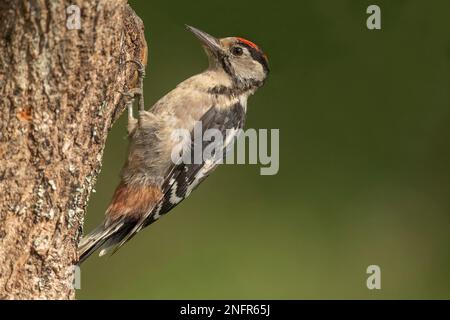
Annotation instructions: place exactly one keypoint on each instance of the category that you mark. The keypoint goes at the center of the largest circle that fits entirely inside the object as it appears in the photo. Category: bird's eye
(237, 51)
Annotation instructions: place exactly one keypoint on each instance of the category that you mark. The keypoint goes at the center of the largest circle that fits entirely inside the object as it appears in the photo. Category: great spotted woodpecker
(151, 183)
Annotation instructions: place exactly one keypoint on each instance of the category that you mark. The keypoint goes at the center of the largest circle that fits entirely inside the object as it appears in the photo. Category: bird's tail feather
(103, 237)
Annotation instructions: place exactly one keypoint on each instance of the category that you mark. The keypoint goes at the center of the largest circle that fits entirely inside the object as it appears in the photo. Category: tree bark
(59, 90)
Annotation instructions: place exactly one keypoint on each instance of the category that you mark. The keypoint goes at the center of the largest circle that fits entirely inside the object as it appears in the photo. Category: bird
(151, 183)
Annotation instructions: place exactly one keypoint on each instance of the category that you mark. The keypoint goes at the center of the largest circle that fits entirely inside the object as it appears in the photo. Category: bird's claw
(139, 91)
(140, 65)
(132, 93)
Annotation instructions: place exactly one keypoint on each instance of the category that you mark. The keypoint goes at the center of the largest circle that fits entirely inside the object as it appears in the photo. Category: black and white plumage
(184, 178)
(151, 183)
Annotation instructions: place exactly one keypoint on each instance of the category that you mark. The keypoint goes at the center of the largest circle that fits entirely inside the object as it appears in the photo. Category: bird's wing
(182, 178)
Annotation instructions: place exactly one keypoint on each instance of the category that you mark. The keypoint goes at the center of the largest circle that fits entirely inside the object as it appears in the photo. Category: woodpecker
(151, 183)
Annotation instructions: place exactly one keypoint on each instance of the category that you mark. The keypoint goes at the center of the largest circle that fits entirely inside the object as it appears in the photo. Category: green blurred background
(364, 160)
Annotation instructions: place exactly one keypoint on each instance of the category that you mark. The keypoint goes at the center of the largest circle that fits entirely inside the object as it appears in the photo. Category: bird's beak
(207, 40)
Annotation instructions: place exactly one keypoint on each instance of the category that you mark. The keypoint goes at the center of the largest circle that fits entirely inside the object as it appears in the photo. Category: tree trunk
(59, 90)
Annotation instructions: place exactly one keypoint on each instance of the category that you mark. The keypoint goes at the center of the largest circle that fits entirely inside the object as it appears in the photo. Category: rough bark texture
(59, 98)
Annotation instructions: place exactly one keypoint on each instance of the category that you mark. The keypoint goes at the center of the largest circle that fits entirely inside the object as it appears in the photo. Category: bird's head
(241, 59)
